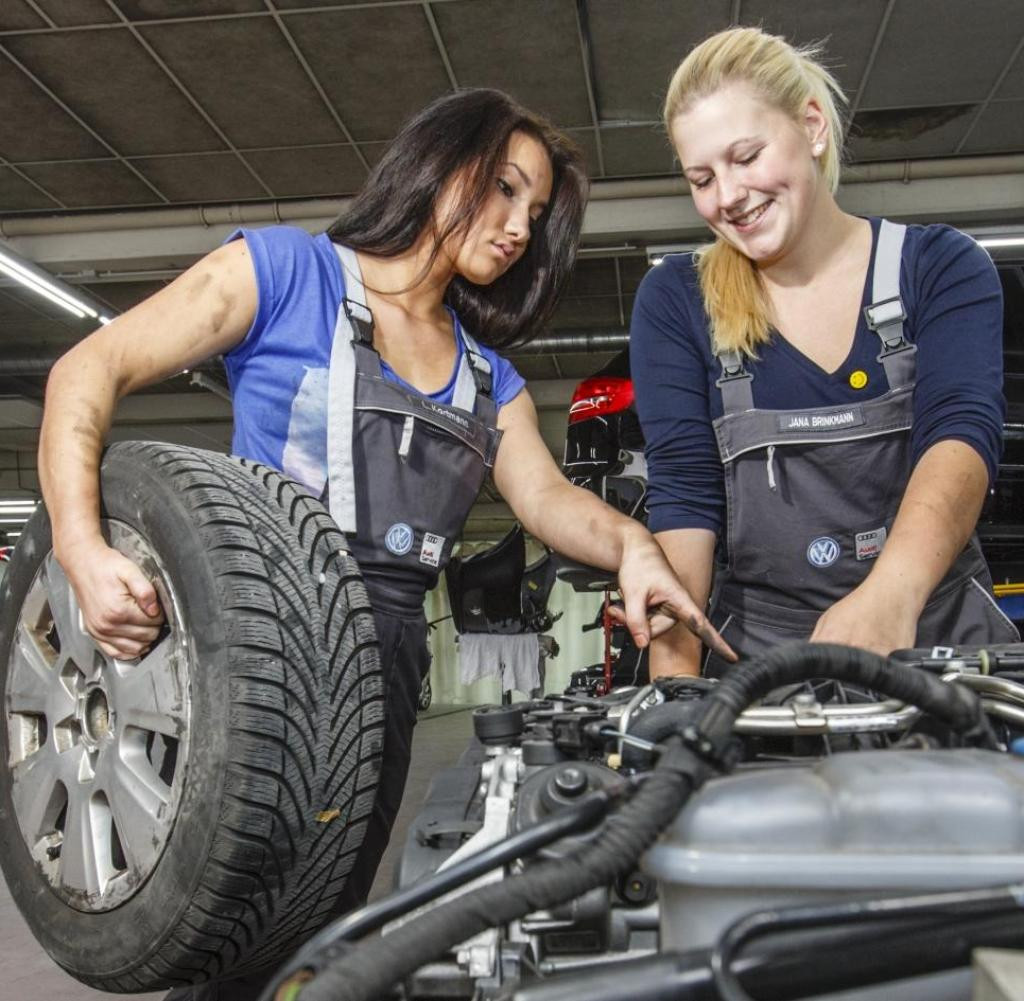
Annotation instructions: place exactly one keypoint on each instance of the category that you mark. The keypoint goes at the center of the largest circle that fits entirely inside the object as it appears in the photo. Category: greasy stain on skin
(88, 426)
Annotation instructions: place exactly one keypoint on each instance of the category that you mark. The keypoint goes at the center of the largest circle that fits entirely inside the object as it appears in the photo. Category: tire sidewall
(104, 944)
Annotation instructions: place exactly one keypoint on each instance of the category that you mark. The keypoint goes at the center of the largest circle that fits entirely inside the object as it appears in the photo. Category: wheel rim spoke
(33, 784)
(34, 685)
(138, 802)
(86, 843)
(75, 643)
(149, 694)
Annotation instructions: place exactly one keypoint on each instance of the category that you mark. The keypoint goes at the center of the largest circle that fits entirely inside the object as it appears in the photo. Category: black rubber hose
(801, 964)
(958, 904)
(655, 725)
(952, 704)
(368, 972)
(568, 820)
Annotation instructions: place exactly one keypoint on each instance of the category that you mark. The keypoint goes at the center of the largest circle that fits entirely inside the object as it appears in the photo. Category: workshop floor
(28, 974)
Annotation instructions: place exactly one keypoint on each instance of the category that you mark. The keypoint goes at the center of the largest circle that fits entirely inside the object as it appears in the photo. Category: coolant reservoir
(871, 822)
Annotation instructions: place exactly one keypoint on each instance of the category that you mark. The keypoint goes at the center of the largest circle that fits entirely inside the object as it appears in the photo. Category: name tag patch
(831, 420)
(430, 551)
(868, 545)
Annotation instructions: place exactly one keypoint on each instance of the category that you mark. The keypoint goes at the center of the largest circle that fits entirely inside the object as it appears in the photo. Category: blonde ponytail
(734, 299)
(787, 78)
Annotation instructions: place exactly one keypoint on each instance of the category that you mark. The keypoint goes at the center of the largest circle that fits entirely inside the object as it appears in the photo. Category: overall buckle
(361, 319)
(888, 313)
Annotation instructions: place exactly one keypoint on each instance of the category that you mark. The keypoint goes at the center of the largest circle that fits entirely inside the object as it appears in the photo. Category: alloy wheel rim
(98, 746)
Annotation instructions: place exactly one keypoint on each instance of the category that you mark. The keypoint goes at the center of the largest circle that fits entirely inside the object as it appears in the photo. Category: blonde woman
(820, 392)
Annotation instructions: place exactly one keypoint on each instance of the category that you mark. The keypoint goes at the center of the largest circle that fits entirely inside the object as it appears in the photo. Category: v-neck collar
(838, 375)
(460, 347)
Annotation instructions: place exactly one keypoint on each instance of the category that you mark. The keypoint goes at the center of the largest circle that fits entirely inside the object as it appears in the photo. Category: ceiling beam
(970, 191)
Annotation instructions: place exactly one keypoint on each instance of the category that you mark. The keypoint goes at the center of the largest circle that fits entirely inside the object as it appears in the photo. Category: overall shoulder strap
(353, 305)
(886, 314)
(474, 375)
(734, 383)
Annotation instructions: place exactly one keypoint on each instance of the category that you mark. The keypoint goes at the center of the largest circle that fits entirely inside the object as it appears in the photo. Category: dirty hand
(120, 608)
(654, 600)
(869, 618)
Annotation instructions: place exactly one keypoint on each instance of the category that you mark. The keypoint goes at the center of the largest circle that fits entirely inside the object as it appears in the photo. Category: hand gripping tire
(195, 812)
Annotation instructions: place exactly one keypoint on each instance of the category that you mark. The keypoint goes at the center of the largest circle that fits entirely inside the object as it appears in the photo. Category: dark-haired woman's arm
(575, 522)
(203, 313)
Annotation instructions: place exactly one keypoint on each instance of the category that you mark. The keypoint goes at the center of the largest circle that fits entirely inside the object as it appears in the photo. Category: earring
(818, 148)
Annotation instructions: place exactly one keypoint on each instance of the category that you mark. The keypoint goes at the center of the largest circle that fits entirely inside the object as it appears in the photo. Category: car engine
(819, 796)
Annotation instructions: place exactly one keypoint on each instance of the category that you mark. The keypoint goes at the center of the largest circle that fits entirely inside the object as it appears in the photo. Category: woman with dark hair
(469, 223)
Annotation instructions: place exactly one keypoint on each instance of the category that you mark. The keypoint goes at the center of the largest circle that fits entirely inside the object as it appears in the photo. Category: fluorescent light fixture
(658, 252)
(18, 505)
(48, 290)
(104, 319)
(1000, 241)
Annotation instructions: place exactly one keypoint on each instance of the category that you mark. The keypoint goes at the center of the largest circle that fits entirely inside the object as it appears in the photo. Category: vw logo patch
(399, 538)
(823, 552)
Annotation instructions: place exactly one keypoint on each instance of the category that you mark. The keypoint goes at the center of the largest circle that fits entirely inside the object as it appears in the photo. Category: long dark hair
(467, 134)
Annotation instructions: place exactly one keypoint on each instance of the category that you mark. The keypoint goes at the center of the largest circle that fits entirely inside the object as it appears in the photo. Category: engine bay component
(795, 823)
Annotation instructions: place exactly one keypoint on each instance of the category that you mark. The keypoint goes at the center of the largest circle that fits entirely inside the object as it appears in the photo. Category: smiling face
(752, 169)
(499, 234)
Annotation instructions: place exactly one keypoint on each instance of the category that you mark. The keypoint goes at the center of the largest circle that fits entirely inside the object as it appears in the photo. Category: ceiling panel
(584, 138)
(373, 152)
(16, 15)
(847, 29)
(636, 55)
(490, 41)
(286, 4)
(1000, 128)
(265, 100)
(922, 45)
(210, 177)
(34, 126)
(374, 96)
(17, 194)
(33, 321)
(69, 13)
(643, 149)
(96, 183)
(887, 135)
(592, 276)
(91, 70)
(1013, 83)
(592, 312)
(323, 170)
(146, 10)
(632, 271)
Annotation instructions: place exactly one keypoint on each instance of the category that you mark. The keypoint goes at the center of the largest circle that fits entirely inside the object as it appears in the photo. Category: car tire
(169, 820)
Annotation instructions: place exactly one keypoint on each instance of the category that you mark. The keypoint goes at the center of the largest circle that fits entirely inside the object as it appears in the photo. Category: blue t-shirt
(953, 299)
(278, 373)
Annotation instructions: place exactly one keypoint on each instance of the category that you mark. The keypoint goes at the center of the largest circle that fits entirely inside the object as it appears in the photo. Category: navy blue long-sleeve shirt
(953, 300)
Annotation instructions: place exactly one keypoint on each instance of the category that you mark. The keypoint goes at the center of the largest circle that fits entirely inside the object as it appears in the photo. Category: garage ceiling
(152, 116)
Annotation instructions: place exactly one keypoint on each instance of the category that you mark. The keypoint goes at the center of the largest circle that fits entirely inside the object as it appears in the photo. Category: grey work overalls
(403, 473)
(811, 495)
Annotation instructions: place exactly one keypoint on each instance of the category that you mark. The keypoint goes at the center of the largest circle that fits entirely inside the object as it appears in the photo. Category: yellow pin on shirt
(858, 379)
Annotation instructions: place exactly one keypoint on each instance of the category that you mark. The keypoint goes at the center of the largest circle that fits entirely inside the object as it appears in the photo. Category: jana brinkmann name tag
(821, 420)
